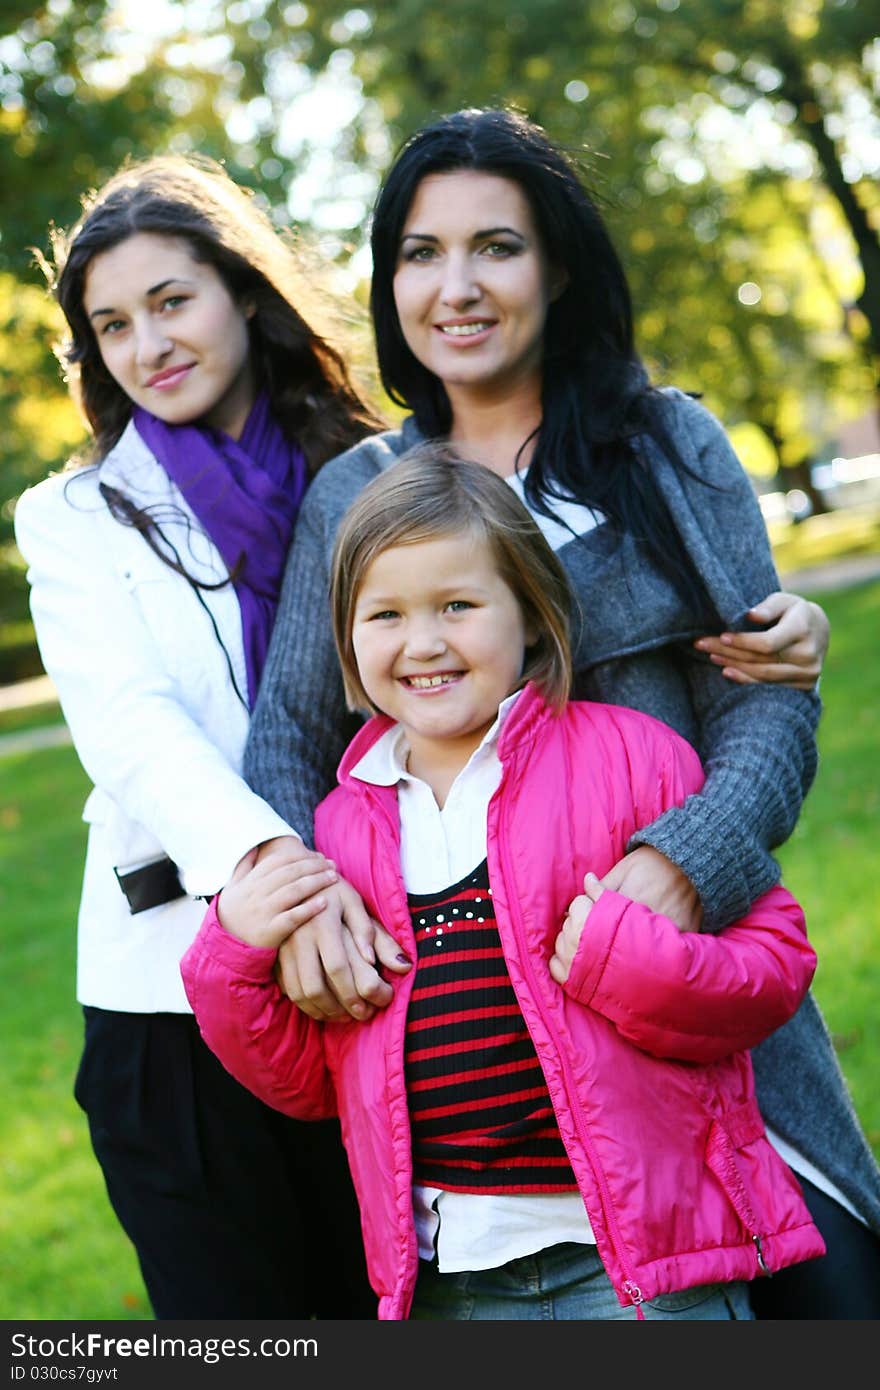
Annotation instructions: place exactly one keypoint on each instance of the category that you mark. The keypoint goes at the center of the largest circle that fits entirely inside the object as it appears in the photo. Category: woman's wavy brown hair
(307, 379)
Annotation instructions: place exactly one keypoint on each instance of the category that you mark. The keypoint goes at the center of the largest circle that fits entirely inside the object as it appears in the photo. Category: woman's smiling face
(472, 285)
(170, 333)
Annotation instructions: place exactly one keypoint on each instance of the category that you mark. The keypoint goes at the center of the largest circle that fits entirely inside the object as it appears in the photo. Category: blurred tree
(40, 428)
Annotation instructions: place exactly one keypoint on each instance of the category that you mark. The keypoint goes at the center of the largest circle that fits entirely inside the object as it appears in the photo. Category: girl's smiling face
(439, 639)
(170, 333)
(473, 285)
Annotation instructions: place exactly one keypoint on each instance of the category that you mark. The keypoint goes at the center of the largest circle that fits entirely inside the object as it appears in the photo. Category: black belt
(151, 886)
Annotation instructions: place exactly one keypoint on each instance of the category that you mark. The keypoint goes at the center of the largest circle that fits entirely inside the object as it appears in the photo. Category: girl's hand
(568, 939)
(328, 967)
(648, 877)
(790, 652)
(274, 889)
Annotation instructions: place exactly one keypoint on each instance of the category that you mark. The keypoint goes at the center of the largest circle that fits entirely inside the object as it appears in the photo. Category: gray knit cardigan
(632, 642)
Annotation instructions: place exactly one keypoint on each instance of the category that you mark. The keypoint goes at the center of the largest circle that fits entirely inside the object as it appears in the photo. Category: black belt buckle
(152, 885)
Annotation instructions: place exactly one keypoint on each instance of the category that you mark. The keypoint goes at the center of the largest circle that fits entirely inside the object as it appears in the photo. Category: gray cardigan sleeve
(757, 742)
(758, 749)
(301, 726)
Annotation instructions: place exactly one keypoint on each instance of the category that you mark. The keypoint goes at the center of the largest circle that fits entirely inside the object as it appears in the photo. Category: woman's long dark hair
(307, 380)
(596, 397)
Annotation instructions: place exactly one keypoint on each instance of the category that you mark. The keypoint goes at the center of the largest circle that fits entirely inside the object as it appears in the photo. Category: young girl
(154, 577)
(555, 1115)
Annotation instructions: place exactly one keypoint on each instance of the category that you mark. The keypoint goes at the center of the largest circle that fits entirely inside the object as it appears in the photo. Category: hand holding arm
(328, 967)
(688, 995)
(274, 889)
(648, 877)
(790, 652)
(285, 897)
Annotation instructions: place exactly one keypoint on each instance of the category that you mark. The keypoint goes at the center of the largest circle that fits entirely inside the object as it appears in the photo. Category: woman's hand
(648, 877)
(328, 967)
(274, 889)
(569, 937)
(790, 652)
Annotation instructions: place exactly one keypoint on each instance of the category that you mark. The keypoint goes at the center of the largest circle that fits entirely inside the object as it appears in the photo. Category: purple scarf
(246, 494)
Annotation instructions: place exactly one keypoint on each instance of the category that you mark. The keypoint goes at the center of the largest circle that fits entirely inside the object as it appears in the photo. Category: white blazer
(147, 690)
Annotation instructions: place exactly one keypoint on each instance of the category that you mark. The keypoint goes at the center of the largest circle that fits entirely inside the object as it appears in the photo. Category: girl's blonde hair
(431, 493)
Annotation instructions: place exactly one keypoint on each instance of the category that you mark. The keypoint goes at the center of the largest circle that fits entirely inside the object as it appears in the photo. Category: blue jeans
(565, 1283)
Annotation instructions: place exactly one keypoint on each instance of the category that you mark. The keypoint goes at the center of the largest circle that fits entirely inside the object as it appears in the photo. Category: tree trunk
(799, 475)
(797, 88)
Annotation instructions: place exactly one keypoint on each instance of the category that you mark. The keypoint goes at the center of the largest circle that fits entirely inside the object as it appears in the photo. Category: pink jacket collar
(527, 715)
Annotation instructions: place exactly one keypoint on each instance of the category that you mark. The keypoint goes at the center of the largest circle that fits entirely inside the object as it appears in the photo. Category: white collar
(384, 765)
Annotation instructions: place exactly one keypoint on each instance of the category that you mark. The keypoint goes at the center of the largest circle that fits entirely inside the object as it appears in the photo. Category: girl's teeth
(423, 682)
(463, 330)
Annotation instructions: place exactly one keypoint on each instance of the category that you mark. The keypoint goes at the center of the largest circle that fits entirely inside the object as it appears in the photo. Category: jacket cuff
(239, 958)
(727, 875)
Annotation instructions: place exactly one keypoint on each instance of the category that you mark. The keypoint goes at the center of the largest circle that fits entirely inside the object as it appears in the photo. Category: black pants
(235, 1211)
(843, 1283)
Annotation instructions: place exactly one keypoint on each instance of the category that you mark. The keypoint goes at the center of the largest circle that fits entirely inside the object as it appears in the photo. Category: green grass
(830, 862)
(61, 1252)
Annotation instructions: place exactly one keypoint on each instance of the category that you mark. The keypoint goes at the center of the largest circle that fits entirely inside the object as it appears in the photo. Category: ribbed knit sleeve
(758, 748)
(757, 742)
(300, 725)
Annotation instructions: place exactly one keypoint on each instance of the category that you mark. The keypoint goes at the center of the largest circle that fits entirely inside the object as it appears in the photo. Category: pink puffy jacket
(644, 1049)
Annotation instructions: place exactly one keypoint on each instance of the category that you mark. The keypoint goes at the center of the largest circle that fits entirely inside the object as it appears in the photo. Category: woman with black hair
(154, 568)
(503, 323)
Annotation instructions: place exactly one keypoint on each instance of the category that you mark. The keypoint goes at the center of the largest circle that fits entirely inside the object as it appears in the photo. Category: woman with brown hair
(155, 567)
